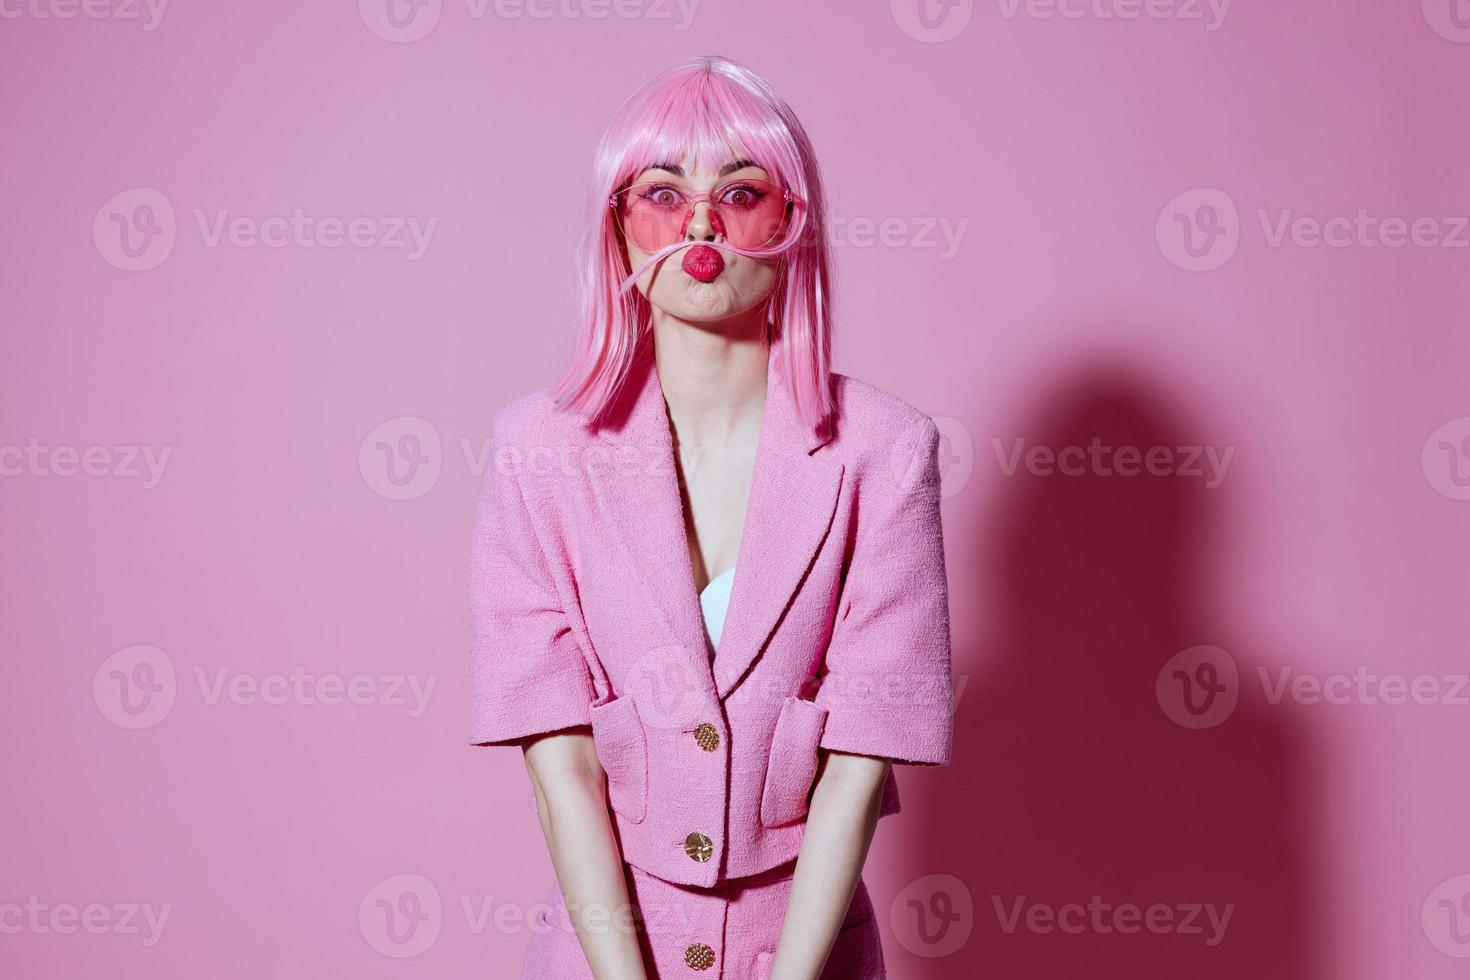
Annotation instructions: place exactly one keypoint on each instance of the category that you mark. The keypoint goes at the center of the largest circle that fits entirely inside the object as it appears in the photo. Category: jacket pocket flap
(793, 761)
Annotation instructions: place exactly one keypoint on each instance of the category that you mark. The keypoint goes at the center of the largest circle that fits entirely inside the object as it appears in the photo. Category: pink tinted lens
(753, 212)
(746, 213)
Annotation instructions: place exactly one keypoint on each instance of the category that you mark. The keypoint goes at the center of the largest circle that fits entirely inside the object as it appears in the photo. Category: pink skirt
(727, 932)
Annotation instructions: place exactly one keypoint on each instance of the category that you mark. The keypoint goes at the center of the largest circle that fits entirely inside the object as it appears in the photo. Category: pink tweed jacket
(584, 612)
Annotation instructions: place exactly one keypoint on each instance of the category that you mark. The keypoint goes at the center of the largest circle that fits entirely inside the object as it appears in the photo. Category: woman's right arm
(530, 685)
(571, 803)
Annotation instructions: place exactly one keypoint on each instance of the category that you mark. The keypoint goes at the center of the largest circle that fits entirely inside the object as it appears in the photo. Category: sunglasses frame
(787, 199)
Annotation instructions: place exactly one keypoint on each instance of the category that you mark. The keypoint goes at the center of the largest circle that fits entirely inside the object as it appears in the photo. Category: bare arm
(571, 803)
(839, 828)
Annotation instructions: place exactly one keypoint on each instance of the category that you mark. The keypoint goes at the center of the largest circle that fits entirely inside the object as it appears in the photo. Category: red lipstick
(704, 263)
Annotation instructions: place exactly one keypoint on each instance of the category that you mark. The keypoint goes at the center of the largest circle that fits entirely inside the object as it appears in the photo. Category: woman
(707, 581)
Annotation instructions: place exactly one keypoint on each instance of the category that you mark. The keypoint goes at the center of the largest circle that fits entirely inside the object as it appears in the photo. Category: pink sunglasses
(744, 212)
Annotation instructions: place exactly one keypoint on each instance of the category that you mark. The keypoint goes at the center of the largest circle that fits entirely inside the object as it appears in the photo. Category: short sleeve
(887, 668)
(527, 672)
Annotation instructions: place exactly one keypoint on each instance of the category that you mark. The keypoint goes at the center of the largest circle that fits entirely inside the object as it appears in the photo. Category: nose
(704, 224)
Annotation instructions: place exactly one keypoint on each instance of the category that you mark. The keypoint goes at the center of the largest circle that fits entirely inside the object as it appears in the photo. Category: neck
(713, 375)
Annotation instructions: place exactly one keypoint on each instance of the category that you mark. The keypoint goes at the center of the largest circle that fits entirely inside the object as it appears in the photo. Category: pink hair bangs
(709, 110)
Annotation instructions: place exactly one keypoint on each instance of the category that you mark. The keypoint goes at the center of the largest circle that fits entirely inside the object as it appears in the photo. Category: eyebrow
(725, 171)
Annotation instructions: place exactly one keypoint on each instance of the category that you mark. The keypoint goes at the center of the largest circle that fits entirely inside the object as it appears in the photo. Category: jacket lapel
(637, 490)
(793, 497)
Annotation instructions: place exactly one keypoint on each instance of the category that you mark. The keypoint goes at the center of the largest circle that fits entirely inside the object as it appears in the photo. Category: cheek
(752, 280)
(636, 259)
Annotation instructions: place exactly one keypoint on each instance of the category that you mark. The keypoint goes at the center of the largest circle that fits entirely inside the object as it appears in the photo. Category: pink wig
(711, 110)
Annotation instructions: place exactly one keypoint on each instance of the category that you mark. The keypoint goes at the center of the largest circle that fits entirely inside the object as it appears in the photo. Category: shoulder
(534, 419)
(879, 434)
(867, 418)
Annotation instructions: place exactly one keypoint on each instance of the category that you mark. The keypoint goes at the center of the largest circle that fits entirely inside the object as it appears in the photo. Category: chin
(695, 300)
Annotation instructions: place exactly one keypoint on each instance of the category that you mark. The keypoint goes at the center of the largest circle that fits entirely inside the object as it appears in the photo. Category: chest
(714, 490)
(631, 553)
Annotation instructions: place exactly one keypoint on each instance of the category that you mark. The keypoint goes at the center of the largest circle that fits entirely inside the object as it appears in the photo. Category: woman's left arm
(886, 691)
(839, 827)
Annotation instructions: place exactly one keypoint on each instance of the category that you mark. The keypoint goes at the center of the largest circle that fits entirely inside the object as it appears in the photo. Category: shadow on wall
(1070, 781)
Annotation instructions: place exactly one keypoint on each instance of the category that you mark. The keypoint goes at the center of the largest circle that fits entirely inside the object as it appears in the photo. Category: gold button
(699, 957)
(707, 736)
(699, 847)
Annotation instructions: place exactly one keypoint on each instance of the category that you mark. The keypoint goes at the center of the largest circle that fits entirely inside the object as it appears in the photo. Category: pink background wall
(1113, 178)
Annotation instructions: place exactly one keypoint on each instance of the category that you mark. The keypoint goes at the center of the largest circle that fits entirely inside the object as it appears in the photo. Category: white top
(714, 601)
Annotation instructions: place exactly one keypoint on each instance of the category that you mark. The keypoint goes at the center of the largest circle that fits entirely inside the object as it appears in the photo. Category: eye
(742, 196)
(662, 196)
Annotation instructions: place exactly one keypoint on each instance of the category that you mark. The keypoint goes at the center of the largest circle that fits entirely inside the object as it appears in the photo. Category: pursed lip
(704, 263)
